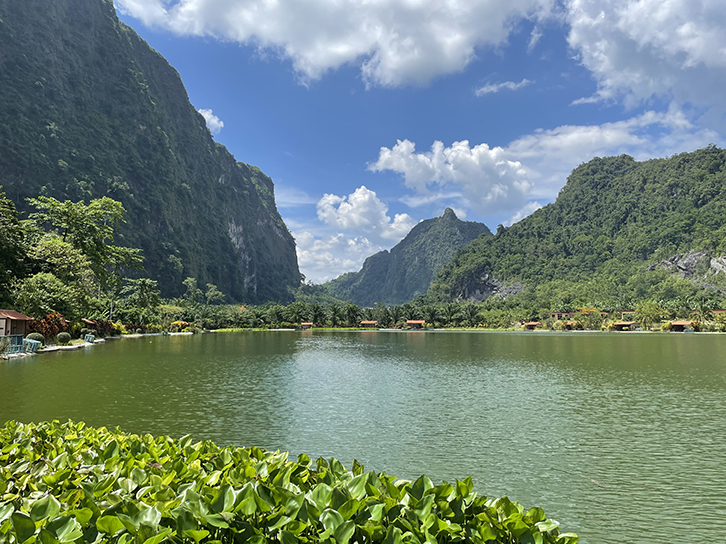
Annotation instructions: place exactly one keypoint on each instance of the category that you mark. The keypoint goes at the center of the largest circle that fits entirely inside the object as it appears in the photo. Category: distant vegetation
(74, 483)
(407, 270)
(605, 241)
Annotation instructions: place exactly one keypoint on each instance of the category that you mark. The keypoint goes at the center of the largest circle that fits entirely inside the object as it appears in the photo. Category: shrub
(36, 336)
(154, 328)
(49, 326)
(84, 331)
(64, 338)
(139, 331)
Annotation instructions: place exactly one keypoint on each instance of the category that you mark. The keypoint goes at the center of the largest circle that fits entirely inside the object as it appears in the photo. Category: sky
(373, 115)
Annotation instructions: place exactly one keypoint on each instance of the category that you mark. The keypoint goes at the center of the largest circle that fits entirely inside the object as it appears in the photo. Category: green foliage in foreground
(72, 483)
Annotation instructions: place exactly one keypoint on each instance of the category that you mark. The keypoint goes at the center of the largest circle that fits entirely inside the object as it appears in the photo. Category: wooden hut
(415, 323)
(532, 325)
(680, 326)
(306, 326)
(13, 323)
(624, 325)
(369, 324)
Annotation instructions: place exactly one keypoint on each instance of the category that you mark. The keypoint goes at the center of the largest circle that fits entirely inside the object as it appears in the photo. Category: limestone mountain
(620, 230)
(88, 109)
(404, 272)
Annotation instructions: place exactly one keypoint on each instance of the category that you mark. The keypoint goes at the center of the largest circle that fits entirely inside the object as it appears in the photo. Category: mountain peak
(449, 213)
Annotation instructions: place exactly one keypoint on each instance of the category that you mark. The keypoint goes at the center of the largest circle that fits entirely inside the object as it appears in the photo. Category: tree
(89, 229)
(317, 314)
(470, 313)
(335, 312)
(213, 295)
(352, 314)
(11, 245)
(193, 293)
(297, 311)
(395, 312)
(141, 293)
(430, 314)
(647, 313)
(44, 293)
(449, 312)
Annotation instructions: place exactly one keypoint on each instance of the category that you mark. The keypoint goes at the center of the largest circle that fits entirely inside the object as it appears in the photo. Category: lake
(620, 437)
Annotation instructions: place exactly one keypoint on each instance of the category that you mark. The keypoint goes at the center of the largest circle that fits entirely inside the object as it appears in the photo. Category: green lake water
(620, 437)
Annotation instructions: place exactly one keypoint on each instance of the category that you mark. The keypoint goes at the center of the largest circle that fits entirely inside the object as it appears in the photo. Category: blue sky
(373, 115)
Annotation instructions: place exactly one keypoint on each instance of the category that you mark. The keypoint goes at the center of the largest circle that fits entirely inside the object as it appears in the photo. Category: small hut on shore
(532, 325)
(624, 325)
(369, 324)
(13, 323)
(306, 326)
(680, 326)
(415, 323)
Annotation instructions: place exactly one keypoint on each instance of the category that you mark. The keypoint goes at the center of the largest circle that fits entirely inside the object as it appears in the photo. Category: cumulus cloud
(526, 210)
(640, 49)
(497, 180)
(487, 178)
(504, 86)
(394, 43)
(327, 257)
(214, 123)
(362, 211)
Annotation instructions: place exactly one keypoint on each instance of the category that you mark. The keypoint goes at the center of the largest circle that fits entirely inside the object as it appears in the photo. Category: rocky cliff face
(88, 109)
(407, 270)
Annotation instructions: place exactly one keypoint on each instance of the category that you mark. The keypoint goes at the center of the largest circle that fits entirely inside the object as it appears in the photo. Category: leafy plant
(72, 483)
(64, 338)
(36, 336)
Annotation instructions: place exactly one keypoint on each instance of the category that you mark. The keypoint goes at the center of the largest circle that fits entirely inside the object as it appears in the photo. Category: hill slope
(613, 232)
(407, 270)
(88, 109)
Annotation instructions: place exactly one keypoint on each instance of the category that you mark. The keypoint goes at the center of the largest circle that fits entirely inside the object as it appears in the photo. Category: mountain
(406, 271)
(88, 109)
(619, 230)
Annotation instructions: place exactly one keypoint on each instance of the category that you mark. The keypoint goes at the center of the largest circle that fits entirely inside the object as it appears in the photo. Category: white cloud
(639, 49)
(506, 85)
(498, 180)
(528, 209)
(214, 123)
(363, 212)
(291, 197)
(394, 42)
(327, 257)
(534, 38)
(488, 179)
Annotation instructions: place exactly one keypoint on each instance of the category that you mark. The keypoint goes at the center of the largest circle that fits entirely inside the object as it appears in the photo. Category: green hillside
(88, 109)
(407, 270)
(620, 230)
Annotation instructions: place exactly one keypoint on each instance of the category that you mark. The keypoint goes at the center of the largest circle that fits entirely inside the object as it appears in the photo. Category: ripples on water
(622, 438)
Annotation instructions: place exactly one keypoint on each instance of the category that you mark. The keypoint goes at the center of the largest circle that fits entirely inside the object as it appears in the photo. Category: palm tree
(409, 311)
(449, 312)
(297, 311)
(396, 312)
(430, 314)
(352, 314)
(335, 312)
(470, 313)
(317, 314)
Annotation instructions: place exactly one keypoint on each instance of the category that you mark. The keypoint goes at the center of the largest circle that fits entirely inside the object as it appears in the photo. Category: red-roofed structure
(13, 322)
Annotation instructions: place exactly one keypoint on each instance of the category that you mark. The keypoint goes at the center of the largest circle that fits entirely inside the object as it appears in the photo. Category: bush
(84, 331)
(64, 338)
(139, 331)
(36, 336)
(49, 326)
(144, 489)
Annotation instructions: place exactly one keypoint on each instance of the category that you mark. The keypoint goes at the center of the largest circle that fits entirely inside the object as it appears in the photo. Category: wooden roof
(685, 323)
(533, 323)
(415, 322)
(311, 324)
(12, 314)
(368, 322)
(628, 323)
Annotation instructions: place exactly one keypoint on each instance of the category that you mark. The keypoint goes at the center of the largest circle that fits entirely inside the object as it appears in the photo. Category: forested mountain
(88, 109)
(619, 230)
(407, 270)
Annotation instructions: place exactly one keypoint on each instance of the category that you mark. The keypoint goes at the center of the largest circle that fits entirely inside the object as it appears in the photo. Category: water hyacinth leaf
(393, 536)
(224, 501)
(420, 487)
(286, 537)
(138, 475)
(82, 515)
(46, 507)
(6, 511)
(331, 519)
(23, 526)
(294, 504)
(196, 535)
(66, 529)
(46, 537)
(349, 508)
(322, 495)
(357, 486)
(110, 525)
(344, 532)
(158, 538)
(216, 520)
(547, 525)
